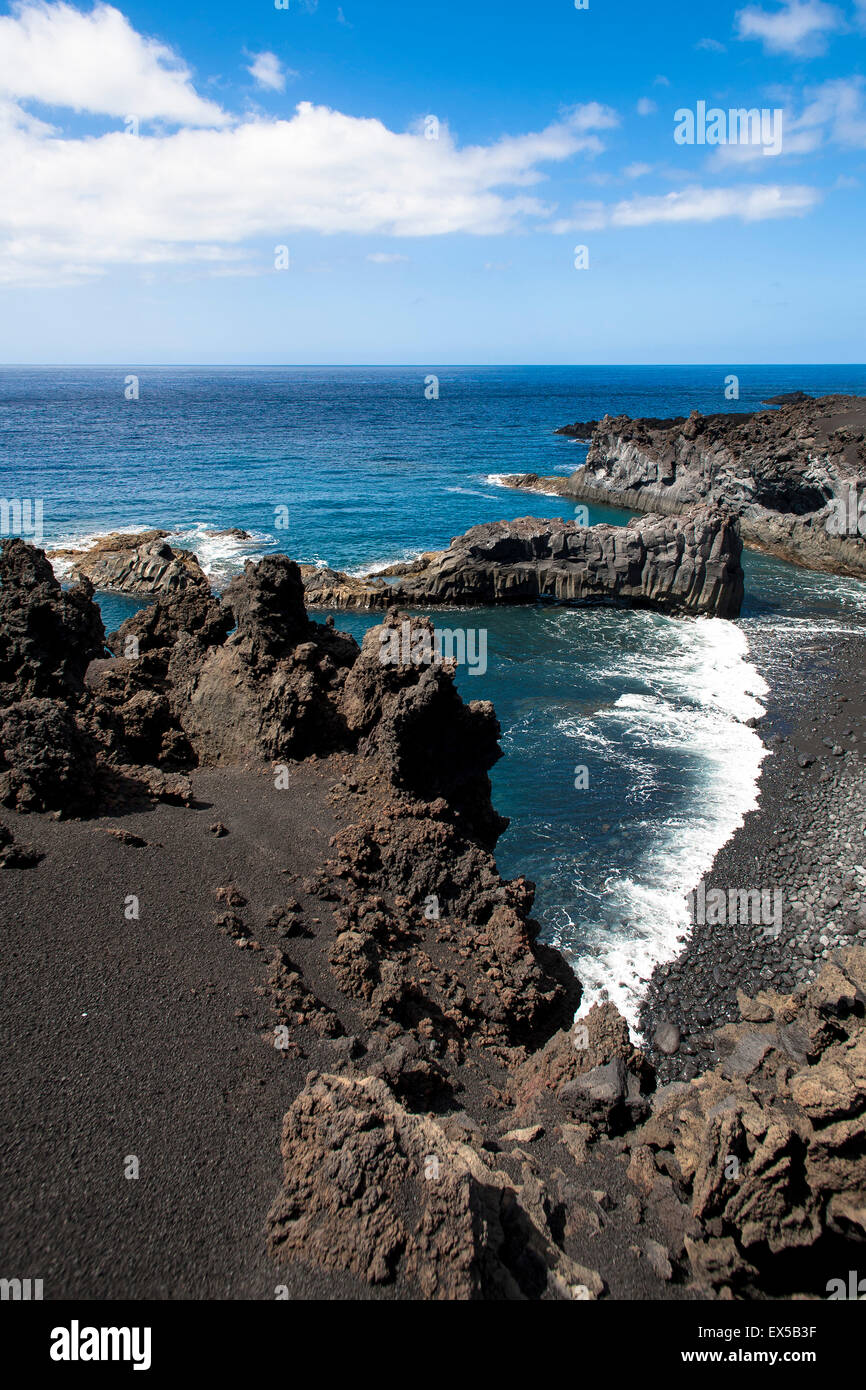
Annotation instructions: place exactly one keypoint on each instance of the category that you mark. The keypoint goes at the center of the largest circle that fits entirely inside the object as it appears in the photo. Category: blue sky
(154, 157)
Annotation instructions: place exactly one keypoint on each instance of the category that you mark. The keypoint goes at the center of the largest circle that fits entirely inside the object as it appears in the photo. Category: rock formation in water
(690, 564)
(686, 564)
(794, 476)
(327, 588)
(143, 564)
(581, 429)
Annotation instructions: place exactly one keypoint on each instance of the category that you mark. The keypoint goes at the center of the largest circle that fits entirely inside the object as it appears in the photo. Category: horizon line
(405, 366)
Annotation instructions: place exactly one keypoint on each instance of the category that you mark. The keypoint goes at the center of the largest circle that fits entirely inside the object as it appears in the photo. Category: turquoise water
(370, 471)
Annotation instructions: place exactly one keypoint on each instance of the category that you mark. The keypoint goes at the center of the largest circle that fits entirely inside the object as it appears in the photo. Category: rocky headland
(320, 932)
(581, 429)
(793, 476)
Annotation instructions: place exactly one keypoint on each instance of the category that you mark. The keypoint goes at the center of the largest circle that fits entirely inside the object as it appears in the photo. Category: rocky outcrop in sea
(687, 564)
(142, 564)
(794, 476)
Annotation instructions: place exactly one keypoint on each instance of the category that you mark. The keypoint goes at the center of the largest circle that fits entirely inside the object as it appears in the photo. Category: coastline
(410, 1011)
(694, 986)
(801, 841)
(702, 711)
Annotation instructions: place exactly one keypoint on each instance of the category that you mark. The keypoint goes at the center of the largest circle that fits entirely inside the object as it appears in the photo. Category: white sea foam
(699, 695)
(222, 556)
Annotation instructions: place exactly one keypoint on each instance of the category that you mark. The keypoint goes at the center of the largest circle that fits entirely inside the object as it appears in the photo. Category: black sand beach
(155, 1038)
(149, 1038)
(805, 839)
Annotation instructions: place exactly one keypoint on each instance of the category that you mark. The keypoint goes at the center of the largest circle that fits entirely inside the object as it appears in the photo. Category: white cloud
(800, 27)
(637, 171)
(96, 62)
(833, 113)
(645, 107)
(711, 45)
(386, 258)
(71, 206)
(267, 70)
(756, 203)
(662, 81)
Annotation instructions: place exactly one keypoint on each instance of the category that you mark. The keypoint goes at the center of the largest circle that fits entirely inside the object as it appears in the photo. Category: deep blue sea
(370, 470)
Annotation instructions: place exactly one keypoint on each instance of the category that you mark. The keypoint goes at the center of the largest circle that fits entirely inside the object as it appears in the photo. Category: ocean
(629, 758)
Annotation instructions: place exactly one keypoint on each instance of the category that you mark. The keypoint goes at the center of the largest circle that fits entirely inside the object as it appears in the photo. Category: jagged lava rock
(376, 1190)
(686, 564)
(777, 470)
(414, 720)
(48, 637)
(143, 564)
(47, 640)
(770, 1144)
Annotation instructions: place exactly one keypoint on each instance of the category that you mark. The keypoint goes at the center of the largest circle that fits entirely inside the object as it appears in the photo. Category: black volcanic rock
(687, 564)
(786, 1102)
(414, 721)
(470, 1233)
(47, 640)
(192, 609)
(272, 689)
(581, 429)
(47, 757)
(197, 682)
(266, 603)
(789, 398)
(47, 637)
(144, 564)
(784, 473)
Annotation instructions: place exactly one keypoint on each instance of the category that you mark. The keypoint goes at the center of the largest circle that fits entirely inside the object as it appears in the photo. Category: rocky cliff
(793, 476)
(686, 564)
